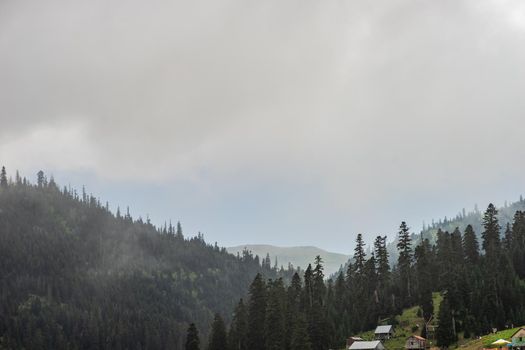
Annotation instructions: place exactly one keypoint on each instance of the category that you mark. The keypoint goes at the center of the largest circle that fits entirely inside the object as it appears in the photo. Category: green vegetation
(487, 340)
(408, 323)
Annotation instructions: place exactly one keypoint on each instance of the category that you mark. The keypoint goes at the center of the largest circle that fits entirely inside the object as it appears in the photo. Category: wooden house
(416, 342)
(518, 339)
(384, 332)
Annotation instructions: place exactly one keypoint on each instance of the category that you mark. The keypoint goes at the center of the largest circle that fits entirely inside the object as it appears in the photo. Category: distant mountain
(297, 256)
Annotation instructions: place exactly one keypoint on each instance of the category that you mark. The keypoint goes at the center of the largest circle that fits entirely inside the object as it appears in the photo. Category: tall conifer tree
(218, 340)
(470, 245)
(3, 178)
(192, 338)
(257, 314)
(491, 239)
(404, 246)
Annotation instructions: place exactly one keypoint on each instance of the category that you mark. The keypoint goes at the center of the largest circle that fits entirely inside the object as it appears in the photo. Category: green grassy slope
(406, 324)
(488, 339)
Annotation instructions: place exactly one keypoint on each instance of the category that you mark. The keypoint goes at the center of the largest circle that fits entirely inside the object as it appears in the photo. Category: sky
(295, 122)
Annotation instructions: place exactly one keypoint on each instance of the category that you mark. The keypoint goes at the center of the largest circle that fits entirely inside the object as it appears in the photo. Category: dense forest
(482, 282)
(73, 275)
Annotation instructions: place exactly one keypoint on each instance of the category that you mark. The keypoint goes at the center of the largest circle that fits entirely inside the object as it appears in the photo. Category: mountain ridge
(298, 256)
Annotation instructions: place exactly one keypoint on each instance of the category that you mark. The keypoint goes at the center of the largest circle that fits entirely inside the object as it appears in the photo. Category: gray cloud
(363, 100)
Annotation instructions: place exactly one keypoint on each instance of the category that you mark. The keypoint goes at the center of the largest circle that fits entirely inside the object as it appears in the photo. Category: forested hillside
(73, 275)
(480, 283)
(76, 276)
(461, 221)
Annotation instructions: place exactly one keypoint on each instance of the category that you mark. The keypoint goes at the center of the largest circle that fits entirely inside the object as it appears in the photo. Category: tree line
(483, 287)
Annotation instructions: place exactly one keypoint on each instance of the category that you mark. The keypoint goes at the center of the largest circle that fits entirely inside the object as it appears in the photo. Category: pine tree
(293, 308)
(308, 294)
(274, 325)
(192, 338)
(381, 254)
(359, 255)
(237, 337)
(404, 246)
(319, 288)
(257, 314)
(179, 234)
(317, 324)
(218, 340)
(470, 245)
(491, 240)
(3, 178)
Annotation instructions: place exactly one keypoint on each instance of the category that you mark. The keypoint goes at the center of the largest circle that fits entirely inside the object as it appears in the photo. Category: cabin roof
(519, 330)
(383, 329)
(417, 337)
(364, 345)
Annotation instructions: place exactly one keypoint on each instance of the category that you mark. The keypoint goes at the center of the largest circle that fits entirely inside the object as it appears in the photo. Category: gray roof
(366, 345)
(383, 329)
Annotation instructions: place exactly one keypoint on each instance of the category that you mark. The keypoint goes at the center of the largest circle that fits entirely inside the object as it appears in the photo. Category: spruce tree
(359, 255)
(3, 178)
(470, 245)
(237, 337)
(179, 234)
(293, 307)
(218, 340)
(317, 324)
(381, 255)
(274, 325)
(308, 294)
(490, 235)
(319, 288)
(404, 246)
(192, 338)
(257, 314)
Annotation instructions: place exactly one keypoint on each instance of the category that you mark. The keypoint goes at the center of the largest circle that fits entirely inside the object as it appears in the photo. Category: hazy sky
(294, 122)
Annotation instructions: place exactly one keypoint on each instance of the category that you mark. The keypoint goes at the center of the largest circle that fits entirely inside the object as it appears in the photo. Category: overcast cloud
(344, 116)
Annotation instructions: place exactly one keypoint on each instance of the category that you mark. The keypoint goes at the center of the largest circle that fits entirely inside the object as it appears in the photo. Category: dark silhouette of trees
(218, 339)
(192, 338)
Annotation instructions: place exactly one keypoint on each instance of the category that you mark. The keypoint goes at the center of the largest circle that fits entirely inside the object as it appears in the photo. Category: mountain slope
(74, 275)
(297, 256)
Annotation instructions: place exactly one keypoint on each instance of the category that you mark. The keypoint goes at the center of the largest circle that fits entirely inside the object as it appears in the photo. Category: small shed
(518, 338)
(367, 345)
(352, 340)
(384, 332)
(415, 342)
